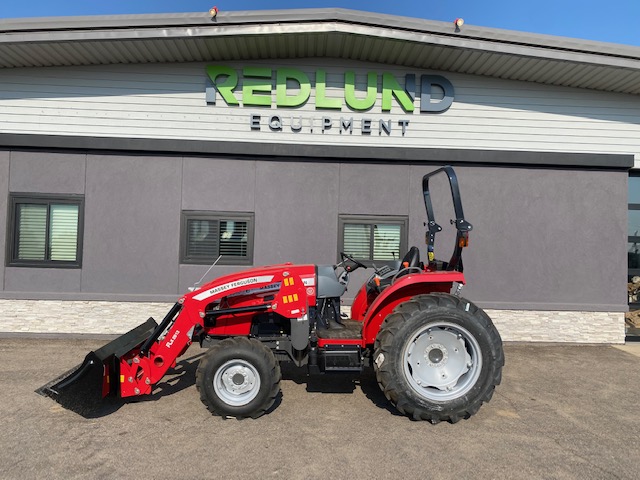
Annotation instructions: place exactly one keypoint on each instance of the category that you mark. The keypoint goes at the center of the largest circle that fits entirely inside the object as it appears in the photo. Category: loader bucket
(84, 388)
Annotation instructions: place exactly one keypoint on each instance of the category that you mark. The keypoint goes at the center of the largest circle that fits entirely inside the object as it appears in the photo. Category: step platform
(350, 329)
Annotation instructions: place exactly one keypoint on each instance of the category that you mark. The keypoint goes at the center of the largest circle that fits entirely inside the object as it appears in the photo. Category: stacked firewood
(633, 289)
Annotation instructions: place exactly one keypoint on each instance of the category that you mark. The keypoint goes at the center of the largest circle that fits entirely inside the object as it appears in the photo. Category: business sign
(293, 89)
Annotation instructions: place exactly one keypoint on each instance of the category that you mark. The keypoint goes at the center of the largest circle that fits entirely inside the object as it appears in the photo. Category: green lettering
(321, 89)
(225, 87)
(350, 89)
(255, 85)
(391, 88)
(284, 100)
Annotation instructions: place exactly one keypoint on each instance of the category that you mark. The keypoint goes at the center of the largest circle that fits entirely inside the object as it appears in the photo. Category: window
(634, 234)
(371, 239)
(206, 235)
(45, 230)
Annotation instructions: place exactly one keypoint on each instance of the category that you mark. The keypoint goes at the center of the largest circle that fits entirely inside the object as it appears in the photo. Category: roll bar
(463, 227)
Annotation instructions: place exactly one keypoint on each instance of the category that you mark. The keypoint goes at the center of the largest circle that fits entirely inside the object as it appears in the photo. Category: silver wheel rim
(237, 382)
(442, 361)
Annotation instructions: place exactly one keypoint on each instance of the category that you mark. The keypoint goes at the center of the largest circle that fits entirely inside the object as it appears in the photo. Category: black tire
(238, 377)
(458, 362)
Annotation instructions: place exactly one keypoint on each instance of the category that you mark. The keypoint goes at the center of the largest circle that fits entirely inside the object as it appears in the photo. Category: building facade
(134, 150)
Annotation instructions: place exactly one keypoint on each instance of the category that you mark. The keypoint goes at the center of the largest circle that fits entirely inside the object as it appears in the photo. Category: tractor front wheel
(438, 358)
(238, 377)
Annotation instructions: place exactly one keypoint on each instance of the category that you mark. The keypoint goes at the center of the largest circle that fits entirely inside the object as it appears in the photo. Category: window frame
(402, 220)
(15, 199)
(187, 215)
(632, 272)
(633, 239)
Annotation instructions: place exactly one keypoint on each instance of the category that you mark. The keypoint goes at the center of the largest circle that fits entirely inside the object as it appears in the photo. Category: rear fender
(402, 290)
(361, 303)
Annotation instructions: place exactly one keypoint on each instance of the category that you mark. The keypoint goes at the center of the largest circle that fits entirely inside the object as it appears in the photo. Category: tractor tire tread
(386, 374)
(266, 359)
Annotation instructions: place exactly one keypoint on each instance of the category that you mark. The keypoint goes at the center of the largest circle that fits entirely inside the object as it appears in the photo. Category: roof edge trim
(265, 17)
(320, 152)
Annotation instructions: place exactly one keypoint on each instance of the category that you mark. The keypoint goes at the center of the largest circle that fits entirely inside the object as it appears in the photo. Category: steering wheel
(350, 258)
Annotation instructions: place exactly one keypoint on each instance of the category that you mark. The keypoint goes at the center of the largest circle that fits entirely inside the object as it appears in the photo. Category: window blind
(32, 231)
(208, 238)
(368, 238)
(386, 242)
(357, 240)
(63, 232)
(233, 238)
(202, 239)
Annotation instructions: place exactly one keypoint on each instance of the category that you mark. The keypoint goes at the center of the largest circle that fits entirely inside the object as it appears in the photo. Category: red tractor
(436, 355)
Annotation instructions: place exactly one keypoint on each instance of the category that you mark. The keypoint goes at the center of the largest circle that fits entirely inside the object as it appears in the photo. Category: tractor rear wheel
(438, 357)
(238, 377)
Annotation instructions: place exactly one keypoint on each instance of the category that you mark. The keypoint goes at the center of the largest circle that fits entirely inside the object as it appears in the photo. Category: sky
(607, 21)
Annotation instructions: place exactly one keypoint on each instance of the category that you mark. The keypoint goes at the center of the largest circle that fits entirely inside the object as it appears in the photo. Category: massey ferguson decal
(233, 285)
(272, 287)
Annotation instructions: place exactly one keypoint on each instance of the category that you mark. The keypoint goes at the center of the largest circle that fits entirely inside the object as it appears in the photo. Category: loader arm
(141, 368)
(132, 364)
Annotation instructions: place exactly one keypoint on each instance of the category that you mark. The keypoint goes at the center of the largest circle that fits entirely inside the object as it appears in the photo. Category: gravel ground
(561, 412)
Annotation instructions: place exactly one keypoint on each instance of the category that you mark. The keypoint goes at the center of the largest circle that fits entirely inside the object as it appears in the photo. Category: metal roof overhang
(324, 33)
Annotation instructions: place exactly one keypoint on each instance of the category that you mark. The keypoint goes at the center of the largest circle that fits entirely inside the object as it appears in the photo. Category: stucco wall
(543, 239)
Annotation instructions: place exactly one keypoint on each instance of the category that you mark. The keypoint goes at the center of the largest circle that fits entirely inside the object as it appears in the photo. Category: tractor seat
(410, 263)
(412, 258)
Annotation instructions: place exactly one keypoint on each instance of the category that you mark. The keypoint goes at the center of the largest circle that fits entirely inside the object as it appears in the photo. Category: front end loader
(436, 355)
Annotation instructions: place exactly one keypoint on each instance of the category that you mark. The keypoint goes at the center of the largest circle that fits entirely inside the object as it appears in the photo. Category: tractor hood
(267, 277)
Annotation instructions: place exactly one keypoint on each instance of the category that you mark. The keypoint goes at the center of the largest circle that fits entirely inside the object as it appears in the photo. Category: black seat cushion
(412, 258)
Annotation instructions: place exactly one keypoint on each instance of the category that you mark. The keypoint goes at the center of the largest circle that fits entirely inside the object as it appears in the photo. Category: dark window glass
(633, 251)
(634, 254)
(207, 235)
(634, 221)
(373, 239)
(45, 230)
(634, 189)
